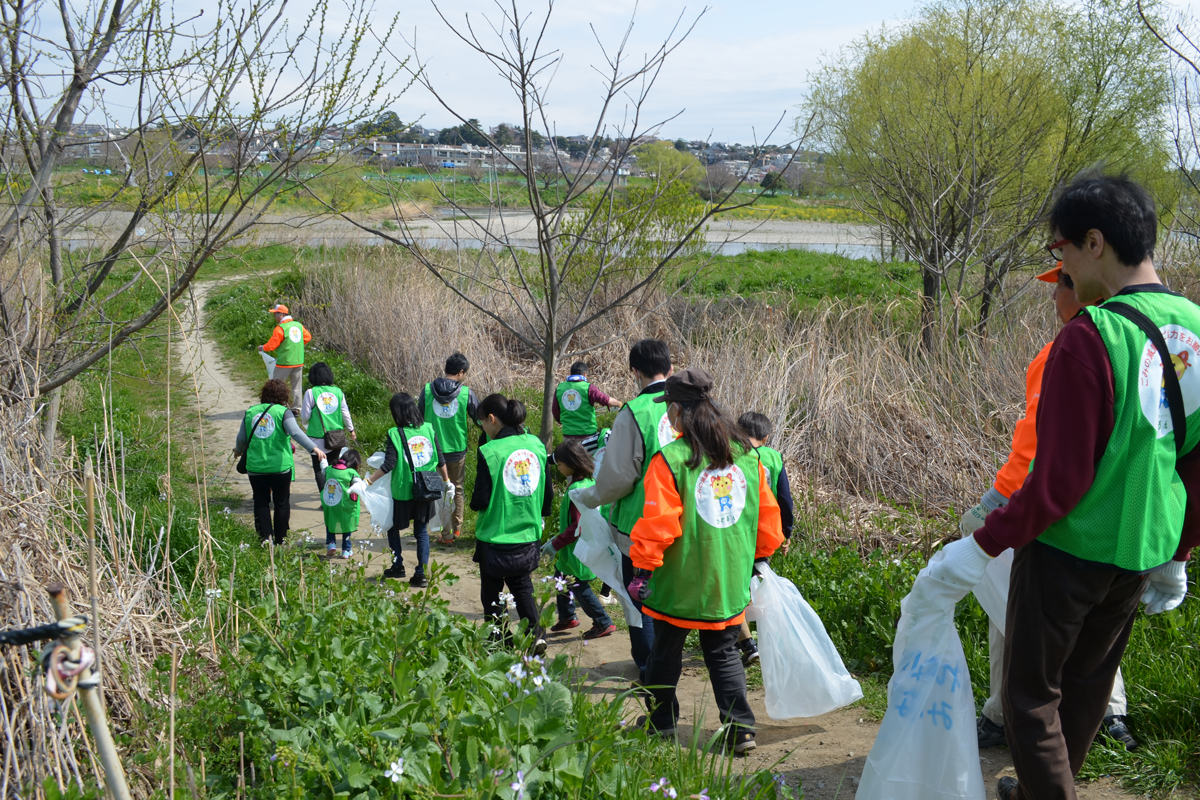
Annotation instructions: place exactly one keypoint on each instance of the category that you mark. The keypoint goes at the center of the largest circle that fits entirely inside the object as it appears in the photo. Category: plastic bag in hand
(803, 675)
(437, 523)
(992, 591)
(269, 360)
(597, 549)
(926, 748)
(377, 500)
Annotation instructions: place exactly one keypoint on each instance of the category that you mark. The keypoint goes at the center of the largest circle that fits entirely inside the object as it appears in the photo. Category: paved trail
(826, 753)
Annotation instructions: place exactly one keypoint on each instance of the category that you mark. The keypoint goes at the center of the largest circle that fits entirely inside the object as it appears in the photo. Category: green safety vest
(567, 563)
(422, 446)
(651, 419)
(449, 420)
(328, 402)
(772, 461)
(268, 450)
(1132, 516)
(577, 414)
(705, 574)
(513, 515)
(290, 352)
(341, 513)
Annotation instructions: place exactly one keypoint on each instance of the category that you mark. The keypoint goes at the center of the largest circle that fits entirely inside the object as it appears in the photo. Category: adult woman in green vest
(512, 495)
(269, 461)
(423, 454)
(324, 409)
(709, 516)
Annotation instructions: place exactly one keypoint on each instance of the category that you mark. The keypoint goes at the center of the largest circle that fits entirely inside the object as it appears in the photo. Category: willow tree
(953, 130)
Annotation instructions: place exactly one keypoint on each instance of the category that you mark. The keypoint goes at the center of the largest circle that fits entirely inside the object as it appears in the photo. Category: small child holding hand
(340, 487)
(574, 463)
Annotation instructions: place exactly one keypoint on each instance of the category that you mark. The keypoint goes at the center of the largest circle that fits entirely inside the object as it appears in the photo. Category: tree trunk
(930, 284)
(49, 430)
(550, 359)
(985, 302)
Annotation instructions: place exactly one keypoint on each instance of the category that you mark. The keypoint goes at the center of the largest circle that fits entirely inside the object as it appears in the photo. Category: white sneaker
(347, 553)
(607, 600)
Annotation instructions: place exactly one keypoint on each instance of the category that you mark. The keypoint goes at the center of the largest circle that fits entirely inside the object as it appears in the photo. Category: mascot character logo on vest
(421, 449)
(445, 410)
(721, 496)
(1185, 357)
(666, 433)
(265, 427)
(295, 334)
(572, 400)
(521, 475)
(327, 402)
(332, 494)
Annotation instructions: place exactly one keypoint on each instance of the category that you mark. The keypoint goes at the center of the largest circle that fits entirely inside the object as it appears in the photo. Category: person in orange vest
(287, 343)
(990, 724)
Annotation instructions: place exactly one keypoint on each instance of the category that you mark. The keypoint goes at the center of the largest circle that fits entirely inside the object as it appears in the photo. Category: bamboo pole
(171, 735)
(89, 479)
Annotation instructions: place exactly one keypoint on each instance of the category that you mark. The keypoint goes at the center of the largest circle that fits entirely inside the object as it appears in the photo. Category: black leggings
(521, 588)
(268, 486)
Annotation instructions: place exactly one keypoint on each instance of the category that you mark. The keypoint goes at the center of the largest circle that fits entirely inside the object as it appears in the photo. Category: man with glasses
(1099, 523)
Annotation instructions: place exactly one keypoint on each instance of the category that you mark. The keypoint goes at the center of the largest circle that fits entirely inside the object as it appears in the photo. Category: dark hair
(457, 363)
(1065, 280)
(650, 357)
(350, 458)
(1116, 206)
(277, 392)
(334, 440)
(579, 368)
(574, 456)
(404, 411)
(711, 432)
(511, 413)
(756, 425)
(320, 374)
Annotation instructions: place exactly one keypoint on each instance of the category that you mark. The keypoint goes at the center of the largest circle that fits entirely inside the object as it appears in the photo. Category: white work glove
(448, 490)
(548, 549)
(974, 517)
(358, 487)
(1166, 588)
(960, 563)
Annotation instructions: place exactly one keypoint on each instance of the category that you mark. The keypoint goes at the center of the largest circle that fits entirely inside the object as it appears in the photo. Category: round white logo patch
(295, 334)
(666, 433)
(522, 473)
(572, 400)
(331, 495)
(265, 427)
(327, 402)
(721, 496)
(421, 450)
(445, 410)
(1185, 357)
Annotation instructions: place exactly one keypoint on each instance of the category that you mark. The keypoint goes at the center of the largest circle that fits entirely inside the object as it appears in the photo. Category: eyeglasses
(1055, 250)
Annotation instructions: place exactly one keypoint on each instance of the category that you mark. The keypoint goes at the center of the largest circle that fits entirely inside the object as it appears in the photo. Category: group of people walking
(1094, 496)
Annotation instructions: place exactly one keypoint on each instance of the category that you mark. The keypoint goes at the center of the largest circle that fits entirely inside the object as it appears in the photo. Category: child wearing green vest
(709, 517)
(512, 494)
(758, 428)
(324, 409)
(574, 463)
(423, 454)
(339, 500)
(575, 402)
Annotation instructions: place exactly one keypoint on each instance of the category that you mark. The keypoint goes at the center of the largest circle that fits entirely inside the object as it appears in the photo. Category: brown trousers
(294, 378)
(1067, 628)
(457, 470)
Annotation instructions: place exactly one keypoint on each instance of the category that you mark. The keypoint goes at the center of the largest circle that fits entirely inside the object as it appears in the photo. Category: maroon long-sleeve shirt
(1074, 423)
(595, 398)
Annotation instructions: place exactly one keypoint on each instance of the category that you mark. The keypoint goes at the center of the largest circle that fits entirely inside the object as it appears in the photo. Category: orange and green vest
(705, 574)
(341, 512)
(268, 450)
(567, 563)
(422, 446)
(449, 420)
(772, 461)
(656, 430)
(513, 515)
(290, 352)
(327, 411)
(1132, 516)
(578, 416)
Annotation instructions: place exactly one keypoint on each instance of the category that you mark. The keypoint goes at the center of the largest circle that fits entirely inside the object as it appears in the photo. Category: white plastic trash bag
(377, 500)
(597, 549)
(803, 675)
(440, 521)
(269, 360)
(926, 748)
(992, 591)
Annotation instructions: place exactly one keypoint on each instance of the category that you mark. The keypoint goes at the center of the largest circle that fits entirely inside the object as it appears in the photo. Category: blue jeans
(641, 640)
(421, 531)
(587, 600)
(331, 539)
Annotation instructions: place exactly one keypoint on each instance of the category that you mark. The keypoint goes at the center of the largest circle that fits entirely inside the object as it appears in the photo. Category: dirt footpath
(826, 753)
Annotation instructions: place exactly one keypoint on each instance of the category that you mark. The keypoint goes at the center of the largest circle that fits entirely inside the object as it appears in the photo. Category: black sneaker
(743, 743)
(1115, 728)
(749, 650)
(644, 722)
(1006, 787)
(990, 734)
(396, 570)
(417, 581)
